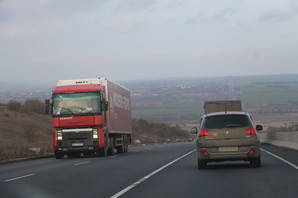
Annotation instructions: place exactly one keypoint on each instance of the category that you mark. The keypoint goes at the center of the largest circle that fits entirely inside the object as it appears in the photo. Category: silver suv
(227, 136)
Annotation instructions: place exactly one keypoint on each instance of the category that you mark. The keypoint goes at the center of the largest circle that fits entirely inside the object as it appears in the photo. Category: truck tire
(111, 150)
(120, 149)
(125, 148)
(103, 152)
(58, 155)
(126, 145)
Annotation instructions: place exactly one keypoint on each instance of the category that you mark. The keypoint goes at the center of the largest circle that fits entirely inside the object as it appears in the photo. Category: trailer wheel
(111, 150)
(126, 148)
(120, 149)
(125, 144)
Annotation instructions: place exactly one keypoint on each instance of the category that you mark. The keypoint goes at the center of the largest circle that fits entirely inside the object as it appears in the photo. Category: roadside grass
(24, 135)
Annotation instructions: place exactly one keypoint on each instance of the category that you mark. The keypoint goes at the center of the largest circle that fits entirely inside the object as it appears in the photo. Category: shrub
(14, 106)
(33, 106)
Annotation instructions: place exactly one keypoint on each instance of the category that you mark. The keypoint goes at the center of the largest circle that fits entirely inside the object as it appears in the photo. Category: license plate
(77, 144)
(226, 149)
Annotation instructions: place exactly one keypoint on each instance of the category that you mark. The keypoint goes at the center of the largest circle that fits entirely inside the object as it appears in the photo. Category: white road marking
(149, 175)
(21, 177)
(280, 158)
(85, 162)
(113, 156)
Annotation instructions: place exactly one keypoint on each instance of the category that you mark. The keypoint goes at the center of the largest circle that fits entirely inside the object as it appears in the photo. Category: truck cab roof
(77, 88)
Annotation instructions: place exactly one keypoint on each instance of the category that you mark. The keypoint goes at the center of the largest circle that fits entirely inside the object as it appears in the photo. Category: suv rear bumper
(213, 154)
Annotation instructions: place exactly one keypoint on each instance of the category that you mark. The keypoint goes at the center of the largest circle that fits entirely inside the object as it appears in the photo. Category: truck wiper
(81, 109)
(67, 109)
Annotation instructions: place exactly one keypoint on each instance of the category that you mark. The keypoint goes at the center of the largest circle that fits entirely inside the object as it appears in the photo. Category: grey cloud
(16, 9)
(256, 54)
(128, 26)
(137, 4)
(279, 15)
(220, 16)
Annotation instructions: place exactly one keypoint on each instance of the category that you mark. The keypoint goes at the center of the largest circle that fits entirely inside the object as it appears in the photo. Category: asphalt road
(168, 170)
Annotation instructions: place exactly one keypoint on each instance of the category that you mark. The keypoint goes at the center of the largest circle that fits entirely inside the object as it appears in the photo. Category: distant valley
(269, 98)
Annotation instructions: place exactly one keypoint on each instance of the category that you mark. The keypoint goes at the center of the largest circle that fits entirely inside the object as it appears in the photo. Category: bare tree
(33, 106)
(14, 106)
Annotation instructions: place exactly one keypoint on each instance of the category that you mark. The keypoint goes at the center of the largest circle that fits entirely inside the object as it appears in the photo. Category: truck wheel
(58, 155)
(202, 164)
(103, 152)
(256, 162)
(111, 150)
(120, 149)
(125, 147)
(126, 143)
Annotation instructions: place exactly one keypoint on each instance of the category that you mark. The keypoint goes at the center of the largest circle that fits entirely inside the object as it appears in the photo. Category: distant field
(182, 100)
(284, 91)
(167, 111)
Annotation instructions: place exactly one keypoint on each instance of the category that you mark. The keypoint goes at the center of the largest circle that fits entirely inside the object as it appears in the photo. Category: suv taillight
(251, 131)
(203, 132)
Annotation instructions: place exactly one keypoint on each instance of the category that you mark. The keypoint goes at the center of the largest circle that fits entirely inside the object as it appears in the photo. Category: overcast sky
(47, 40)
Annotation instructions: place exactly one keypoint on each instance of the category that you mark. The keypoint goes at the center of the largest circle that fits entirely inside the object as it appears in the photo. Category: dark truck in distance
(227, 134)
(90, 116)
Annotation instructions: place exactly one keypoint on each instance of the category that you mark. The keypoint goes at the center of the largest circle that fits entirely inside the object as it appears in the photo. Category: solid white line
(276, 156)
(148, 176)
(77, 164)
(21, 177)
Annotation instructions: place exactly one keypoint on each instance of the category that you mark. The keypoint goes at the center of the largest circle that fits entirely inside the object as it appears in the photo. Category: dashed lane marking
(21, 177)
(81, 163)
(149, 175)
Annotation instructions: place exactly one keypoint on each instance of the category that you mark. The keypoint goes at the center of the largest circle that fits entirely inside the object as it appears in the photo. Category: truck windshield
(76, 104)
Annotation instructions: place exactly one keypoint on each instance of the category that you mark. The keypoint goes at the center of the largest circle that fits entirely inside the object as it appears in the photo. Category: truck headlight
(95, 134)
(59, 135)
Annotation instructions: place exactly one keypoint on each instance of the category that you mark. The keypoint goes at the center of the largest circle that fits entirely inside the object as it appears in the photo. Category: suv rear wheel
(202, 164)
(256, 162)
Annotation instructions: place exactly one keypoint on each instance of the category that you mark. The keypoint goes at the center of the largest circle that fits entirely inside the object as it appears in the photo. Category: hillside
(26, 131)
(22, 132)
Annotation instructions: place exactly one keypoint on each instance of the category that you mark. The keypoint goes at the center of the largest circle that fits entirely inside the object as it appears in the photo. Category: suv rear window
(226, 121)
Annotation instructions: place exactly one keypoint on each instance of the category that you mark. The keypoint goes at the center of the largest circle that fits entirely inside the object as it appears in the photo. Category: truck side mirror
(105, 105)
(194, 130)
(47, 106)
